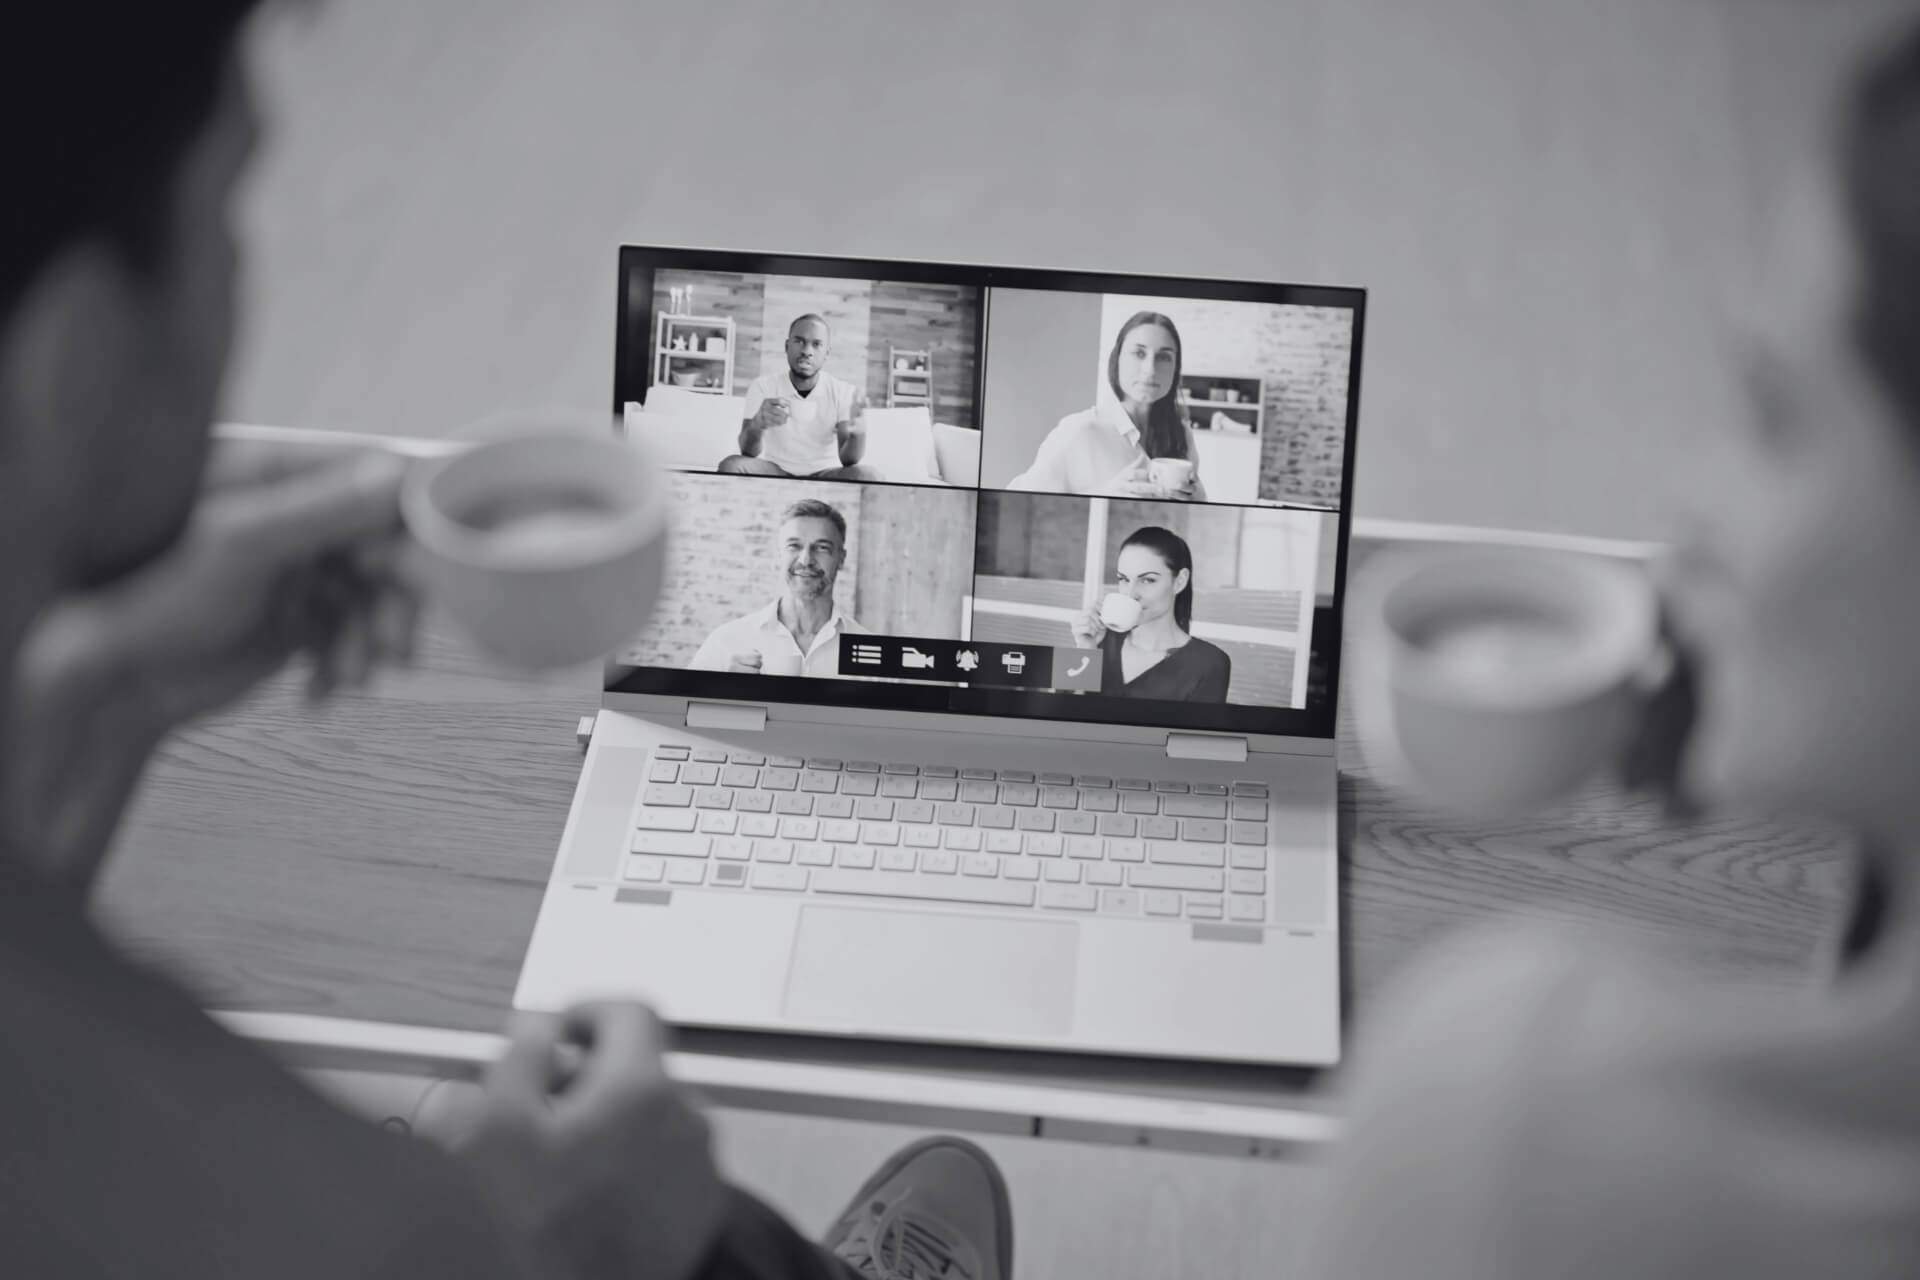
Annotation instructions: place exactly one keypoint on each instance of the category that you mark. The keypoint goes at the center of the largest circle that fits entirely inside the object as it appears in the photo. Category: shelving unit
(703, 359)
(1210, 398)
(913, 384)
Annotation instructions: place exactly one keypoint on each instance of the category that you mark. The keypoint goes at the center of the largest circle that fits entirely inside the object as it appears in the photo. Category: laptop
(989, 698)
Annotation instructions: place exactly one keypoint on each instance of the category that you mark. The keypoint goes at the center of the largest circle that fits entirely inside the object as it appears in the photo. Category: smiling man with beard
(796, 634)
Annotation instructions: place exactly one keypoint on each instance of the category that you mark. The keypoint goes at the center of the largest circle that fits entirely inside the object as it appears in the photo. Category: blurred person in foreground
(146, 578)
(1536, 1105)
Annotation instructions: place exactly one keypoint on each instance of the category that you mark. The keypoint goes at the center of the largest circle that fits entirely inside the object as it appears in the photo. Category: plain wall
(1547, 201)
(1037, 374)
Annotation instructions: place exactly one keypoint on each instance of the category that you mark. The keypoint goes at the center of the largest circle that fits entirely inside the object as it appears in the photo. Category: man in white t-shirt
(798, 633)
(801, 420)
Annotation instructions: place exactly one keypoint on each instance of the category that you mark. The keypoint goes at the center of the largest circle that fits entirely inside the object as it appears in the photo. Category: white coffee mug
(547, 547)
(780, 664)
(1119, 612)
(1172, 475)
(1498, 681)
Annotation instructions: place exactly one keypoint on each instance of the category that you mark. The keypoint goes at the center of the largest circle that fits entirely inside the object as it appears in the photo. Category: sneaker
(936, 1211)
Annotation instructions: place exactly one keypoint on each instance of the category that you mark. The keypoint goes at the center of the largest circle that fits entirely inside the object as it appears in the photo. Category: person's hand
(772, 413)
(291, 549)
(1655, 758)
(596, 1160)
(1135, 480)
(1088, 630)
(748, 663)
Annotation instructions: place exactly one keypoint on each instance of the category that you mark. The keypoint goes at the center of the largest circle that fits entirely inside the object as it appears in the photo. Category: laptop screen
(994, 491)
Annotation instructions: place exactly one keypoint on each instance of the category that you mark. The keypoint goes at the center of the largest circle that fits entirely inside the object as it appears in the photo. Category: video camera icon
(914, 659)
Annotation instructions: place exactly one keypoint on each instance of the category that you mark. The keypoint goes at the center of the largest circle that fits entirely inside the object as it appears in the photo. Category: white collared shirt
(762, 632)
(1086, 451)
(807, 443)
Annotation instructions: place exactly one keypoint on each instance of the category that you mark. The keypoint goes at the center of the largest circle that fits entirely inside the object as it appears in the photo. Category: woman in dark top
(1158, 657)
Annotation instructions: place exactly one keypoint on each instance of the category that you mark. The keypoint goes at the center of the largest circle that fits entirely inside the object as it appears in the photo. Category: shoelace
(899, 1246)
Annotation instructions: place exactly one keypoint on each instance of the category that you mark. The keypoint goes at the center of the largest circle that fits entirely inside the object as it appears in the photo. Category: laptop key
(817, 762)
(681, 871)
(1203, 831)
(1198, 879)
(780, 779)
(1036, 820)
(671, 844)
(1068, 897)
(800, 828)
(713, 798)
(1045, 846)
(814, 855)
(904, 770)
(1059, 797)
(784, 879)
(917, 811)
(840, 831)
(862, 766)
(1003, 842)
(833, 807)
(671, 752)
(996, 817)
(1254, 882)
(785, 762)
(728, 873)
(733, 848)
(1139, 802)
(1063, 872)
(1094, 782)
(856, 856)
(719, 824)
(646, 868)
(939, 790)
(938, 771)
(819, 781)
(773, 850)
(883, 833)
(1085, 848)
(1159, 829)
(1120, 902)
(1015, 775)
(1250, 789)
(973, 792)
(746, 757)
(1133, 784)
(939, 862)
(979, 775)
(1168, 854)
(1251, 910)
(1250, 833)
(1056, 779)
(980, 864)
(1247, 859)
(1194, 807)
(665, 820)
(964, 838)
(795, 803)
(1199, 908)
(1171, 788)
(753, 802)
(1104, 873)
(663, 771)
(1160, 902)
(759, 824)
(1119, 824)
(1126, 851)
(1075, 823)
(1100, 801)
(920, 837)
(739, 775)
(1019, 794)
(859, 784)
(898, 859)
(1020, 868)
(667, 795)
(1245, 810)
(1209, 788)
(955, 814)
(900, 788)
(700, 775)
(874, 810)
(881, 884)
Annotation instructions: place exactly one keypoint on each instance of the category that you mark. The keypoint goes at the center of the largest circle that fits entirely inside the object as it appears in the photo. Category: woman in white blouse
(1110, 449)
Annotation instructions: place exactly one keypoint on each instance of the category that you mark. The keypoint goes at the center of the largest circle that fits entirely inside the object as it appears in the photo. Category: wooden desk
(382, 858)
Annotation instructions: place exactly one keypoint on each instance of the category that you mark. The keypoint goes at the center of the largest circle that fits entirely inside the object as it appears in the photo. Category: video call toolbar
(971, 662)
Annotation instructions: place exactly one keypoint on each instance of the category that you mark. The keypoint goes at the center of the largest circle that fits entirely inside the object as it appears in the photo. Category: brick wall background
(1304, 353)
(868, 319)
(908, 558)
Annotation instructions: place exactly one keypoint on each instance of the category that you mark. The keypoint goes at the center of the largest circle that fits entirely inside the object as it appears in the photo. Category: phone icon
(1085, 661)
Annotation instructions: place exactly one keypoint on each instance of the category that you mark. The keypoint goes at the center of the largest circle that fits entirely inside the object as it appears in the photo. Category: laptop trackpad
(900, 971)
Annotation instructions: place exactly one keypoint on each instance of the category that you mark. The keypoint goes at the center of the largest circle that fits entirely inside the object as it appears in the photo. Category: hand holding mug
(1088, 630)
(1173, 477)
(1135, 480)
(748, 663)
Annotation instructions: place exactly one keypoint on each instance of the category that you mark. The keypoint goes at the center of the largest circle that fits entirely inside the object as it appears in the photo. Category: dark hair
(1881, 177)
(99, 123)
(1173, 549)
(814, 316)
(813, 509)
(1165, 435)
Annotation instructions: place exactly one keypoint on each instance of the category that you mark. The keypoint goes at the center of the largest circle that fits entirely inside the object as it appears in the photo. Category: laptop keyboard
(990, 837)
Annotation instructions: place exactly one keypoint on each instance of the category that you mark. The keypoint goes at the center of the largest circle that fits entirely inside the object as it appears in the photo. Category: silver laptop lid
(994, 491)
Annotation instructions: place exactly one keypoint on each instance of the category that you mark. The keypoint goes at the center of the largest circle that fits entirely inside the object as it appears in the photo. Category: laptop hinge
(726, 715)
(1206, 746)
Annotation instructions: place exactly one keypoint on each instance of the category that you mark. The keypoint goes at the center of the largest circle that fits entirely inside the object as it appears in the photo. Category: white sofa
(693, 431)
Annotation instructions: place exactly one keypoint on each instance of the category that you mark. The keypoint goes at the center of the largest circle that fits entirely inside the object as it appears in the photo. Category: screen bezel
(638, 263)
